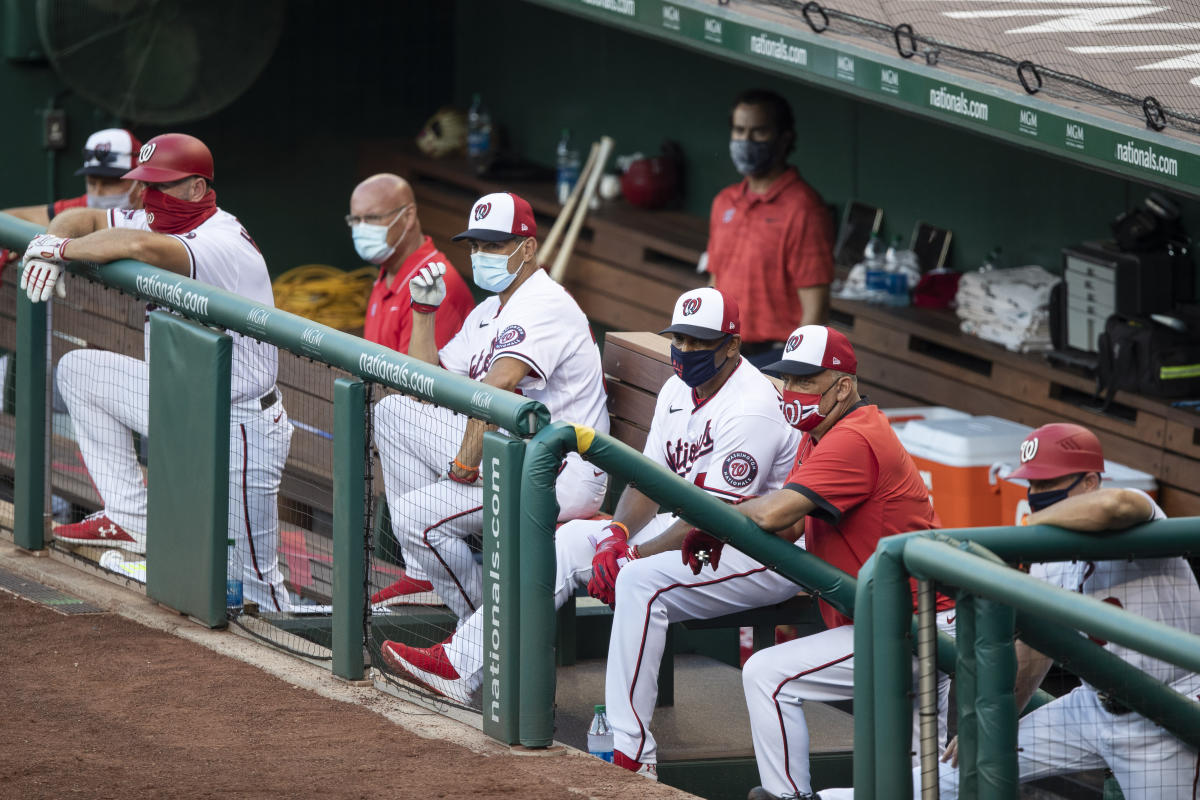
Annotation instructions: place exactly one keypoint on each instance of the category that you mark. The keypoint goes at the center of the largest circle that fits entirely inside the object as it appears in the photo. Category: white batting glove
(427, 287)
(45, 247)
(40, 279)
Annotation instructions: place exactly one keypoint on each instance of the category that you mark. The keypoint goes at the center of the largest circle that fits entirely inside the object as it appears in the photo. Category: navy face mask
(1040, 500)
(697, 367)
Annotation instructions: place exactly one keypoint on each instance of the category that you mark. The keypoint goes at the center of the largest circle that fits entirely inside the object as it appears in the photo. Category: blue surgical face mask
(370, 241)
(697, 367)
(490, 270)
(752, 158)
(1040, 500)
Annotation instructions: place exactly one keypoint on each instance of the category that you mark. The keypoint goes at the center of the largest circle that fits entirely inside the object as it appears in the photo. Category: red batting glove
(5, 257)
(700, 548)
(610, 555)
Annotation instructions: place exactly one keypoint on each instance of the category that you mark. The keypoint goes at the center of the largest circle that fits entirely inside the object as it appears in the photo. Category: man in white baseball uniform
(717, 424)
(1084, 729)
(180, 230)
(529, 337)
(850, 483)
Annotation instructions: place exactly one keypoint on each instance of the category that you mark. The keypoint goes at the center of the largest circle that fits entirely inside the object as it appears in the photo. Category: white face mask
(107, 201)
(370, 241)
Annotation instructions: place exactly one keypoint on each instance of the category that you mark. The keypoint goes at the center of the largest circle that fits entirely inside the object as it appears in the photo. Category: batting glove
(45, 247)
(40, 279)
(700, 548)
(611, 555)
(427, 288)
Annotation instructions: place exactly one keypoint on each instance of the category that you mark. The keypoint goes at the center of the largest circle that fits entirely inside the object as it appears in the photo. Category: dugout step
(704, 742)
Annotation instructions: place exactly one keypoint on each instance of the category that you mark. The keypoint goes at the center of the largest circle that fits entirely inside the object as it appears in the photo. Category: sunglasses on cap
(105, 156)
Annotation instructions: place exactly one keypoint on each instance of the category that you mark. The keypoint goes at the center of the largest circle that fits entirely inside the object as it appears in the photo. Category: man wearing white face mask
(386, 231)
(107, 156)
(529, 337)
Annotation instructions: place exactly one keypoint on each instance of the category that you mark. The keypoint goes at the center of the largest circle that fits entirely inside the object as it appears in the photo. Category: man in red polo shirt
(386, 231)
(770, 237)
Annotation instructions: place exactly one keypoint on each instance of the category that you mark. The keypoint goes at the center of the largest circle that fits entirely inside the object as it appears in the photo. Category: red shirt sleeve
(59, 206)
(810, 246)
(838, 474)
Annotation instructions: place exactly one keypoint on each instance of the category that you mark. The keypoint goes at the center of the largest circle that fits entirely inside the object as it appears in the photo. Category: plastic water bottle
(479, 132)
(568, 167)
(992, 261)
(233, 576)
(600, 736)
(876, 261)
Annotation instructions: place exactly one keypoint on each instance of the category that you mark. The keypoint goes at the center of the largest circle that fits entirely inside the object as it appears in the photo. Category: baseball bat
(559, 269)
(568, 209)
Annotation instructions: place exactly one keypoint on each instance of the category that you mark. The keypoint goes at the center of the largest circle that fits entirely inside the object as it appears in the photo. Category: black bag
(1147, 358)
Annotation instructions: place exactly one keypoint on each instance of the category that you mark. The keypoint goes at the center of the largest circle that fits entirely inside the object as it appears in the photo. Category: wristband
(423, 308)
(620, 525)
(463, 466)
(632, 553)
(467, 481)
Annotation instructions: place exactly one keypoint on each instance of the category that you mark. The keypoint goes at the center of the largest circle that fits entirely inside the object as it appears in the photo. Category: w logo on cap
(482, 210)
(1029, 449)
(793, 342)
(690, 306)
(146, 152)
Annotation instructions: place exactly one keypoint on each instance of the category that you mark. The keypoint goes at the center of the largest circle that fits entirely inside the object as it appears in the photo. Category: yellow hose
(326, 294)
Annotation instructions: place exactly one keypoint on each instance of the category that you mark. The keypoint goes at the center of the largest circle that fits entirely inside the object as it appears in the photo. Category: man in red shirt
(770, 237)
(386, 231)
(852, 484)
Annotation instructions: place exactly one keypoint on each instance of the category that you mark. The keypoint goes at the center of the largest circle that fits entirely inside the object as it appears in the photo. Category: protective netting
(1132, 58)
(425, 572)
(1086, 738)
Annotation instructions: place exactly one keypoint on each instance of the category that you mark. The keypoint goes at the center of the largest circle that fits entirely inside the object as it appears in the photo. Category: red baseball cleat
(638, 768)
(428, 667)
(401, 588)
(99, 530)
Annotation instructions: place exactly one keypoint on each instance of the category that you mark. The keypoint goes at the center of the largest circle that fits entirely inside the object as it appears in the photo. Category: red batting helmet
(1059, 449)
(170, 157)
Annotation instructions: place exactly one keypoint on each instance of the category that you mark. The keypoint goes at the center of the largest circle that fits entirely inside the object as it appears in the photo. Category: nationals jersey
(222, 254)
(1161, 589)
(541, 326)
(734, 444)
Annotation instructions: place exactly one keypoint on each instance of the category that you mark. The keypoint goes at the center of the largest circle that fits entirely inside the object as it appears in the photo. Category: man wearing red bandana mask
(179, 230)
(851, 484)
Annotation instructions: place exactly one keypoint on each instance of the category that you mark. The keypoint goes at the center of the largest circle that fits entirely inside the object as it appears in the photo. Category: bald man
(386, 231)
(383, 222)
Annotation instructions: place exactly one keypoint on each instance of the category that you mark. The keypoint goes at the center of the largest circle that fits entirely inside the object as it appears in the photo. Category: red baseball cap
(171, 157)
(1058, 449)
(705, 314)
(815, 348)
(499, 217)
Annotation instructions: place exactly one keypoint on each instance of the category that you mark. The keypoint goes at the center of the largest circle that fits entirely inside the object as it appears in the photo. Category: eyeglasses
(104, 156)
(377, 219)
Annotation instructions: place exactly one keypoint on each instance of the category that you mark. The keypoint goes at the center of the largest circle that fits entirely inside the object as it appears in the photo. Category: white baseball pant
(820, 667)
(1074, 733)
(108, 398)
(432, 516)
(574, 547)
(653, 592)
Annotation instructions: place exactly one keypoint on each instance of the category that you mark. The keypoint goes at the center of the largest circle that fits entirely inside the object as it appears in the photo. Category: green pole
(966, 680)
(503, 460)
(997, 675)
(864, 683)
(29, 478)
(350, 457)
(892, 609)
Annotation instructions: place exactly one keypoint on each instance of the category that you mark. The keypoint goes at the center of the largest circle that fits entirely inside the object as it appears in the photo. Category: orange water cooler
(955, 457)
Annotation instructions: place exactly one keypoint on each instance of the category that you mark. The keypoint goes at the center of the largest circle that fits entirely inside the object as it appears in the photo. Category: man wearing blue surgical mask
(770, 239)
(528, 337)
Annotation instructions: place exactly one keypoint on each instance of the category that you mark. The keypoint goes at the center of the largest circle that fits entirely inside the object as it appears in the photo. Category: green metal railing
(212, 306)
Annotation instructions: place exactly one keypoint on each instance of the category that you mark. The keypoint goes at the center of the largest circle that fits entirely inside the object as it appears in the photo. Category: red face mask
(167, 214)
(802, 410)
